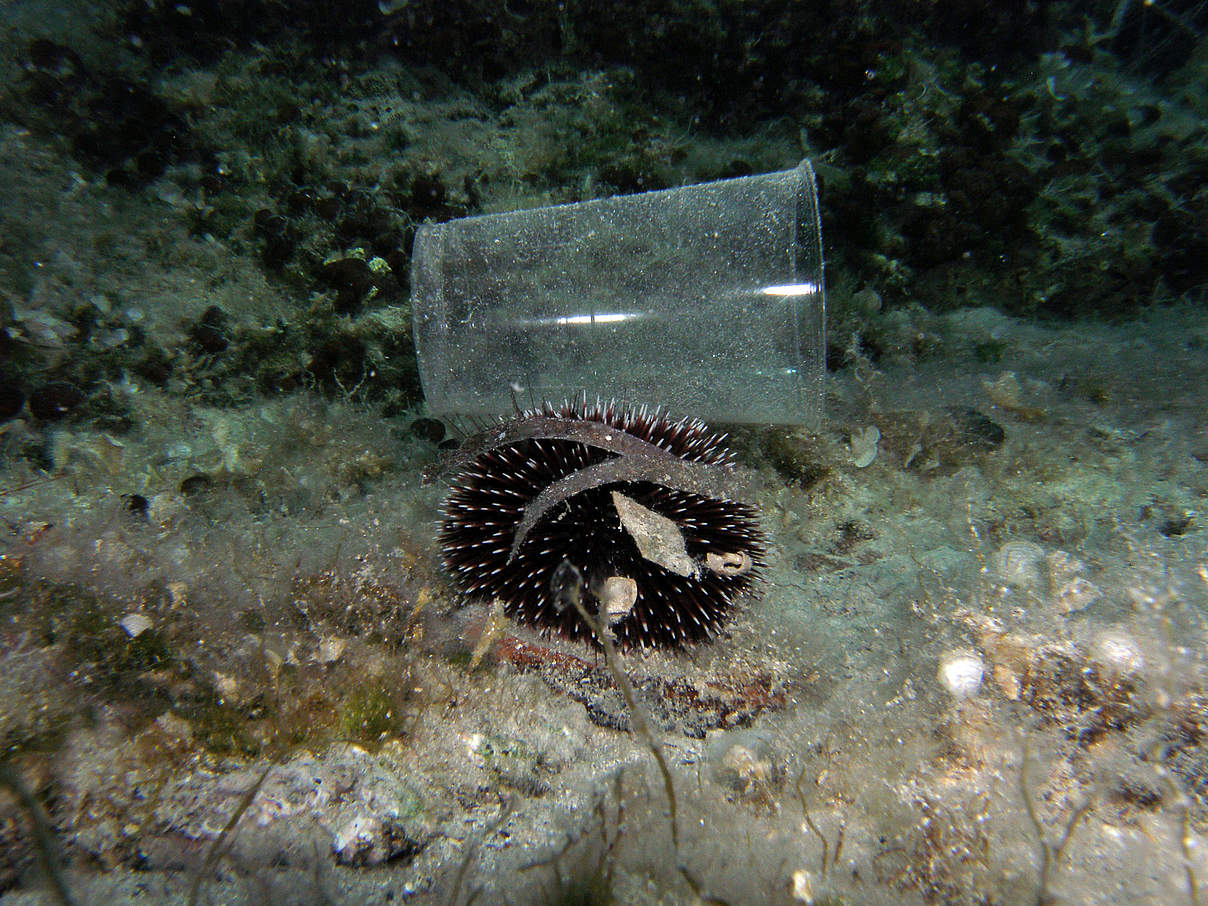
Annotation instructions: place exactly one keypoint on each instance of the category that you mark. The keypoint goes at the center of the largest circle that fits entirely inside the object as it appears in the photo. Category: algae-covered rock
(358, 807)
(943, 440)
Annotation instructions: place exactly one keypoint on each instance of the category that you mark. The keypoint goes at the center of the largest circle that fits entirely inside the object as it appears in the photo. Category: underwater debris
(135, 624)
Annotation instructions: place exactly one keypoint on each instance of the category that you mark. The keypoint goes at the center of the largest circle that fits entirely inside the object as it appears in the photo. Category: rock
(943, 441)
(12, 396)
(1069, 588)
(658, 538)
(428, 429)
(351, 804)
(54, 401)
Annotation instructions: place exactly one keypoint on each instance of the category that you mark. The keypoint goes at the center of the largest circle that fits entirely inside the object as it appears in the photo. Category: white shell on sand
(1019, 563)
(961, 673)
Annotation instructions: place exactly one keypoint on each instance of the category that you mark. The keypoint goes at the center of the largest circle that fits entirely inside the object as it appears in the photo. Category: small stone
(803, 887)
(729, 564)
(617, 596)
(658, 538)
(226, 686)
(330, 650)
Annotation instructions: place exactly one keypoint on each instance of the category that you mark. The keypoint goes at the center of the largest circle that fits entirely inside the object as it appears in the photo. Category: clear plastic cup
(706, 299)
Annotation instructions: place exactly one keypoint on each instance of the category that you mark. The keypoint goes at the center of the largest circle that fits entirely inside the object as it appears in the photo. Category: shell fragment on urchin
(620, 509)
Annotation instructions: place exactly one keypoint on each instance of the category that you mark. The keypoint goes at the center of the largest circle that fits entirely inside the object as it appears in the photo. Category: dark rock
(196, 484)
(155, 366)
(428, 429)
(120, 179)
(351, 278)
(208, 339)
(301, 200)
(796, 459)
(278, 250)
(55, 400)
(12, 397)
(338, 360)
(209, 333)
(46, 54)
(328, 207)
(865, 133)
(269, 223)
(150, 163)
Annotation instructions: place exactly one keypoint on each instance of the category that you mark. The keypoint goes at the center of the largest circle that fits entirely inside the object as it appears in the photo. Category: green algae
(91, 661)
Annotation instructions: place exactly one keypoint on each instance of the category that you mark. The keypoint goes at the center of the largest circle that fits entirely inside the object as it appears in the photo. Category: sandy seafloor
(975, 671)
(1067, 559)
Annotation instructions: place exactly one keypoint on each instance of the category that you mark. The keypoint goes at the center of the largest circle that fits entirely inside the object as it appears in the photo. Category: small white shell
(1076, 594)
(1019, 563)
(1117, 654)
(864, 446)
(135, 624)
(961, 673)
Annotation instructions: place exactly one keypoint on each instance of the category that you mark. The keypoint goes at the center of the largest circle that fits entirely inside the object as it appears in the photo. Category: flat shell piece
(135, 624)
(658, 538)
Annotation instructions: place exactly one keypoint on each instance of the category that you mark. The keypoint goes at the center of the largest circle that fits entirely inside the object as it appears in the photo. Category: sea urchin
(620, 509)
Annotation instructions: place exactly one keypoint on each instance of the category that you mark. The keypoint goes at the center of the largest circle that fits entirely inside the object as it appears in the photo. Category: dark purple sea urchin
(620, 508)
